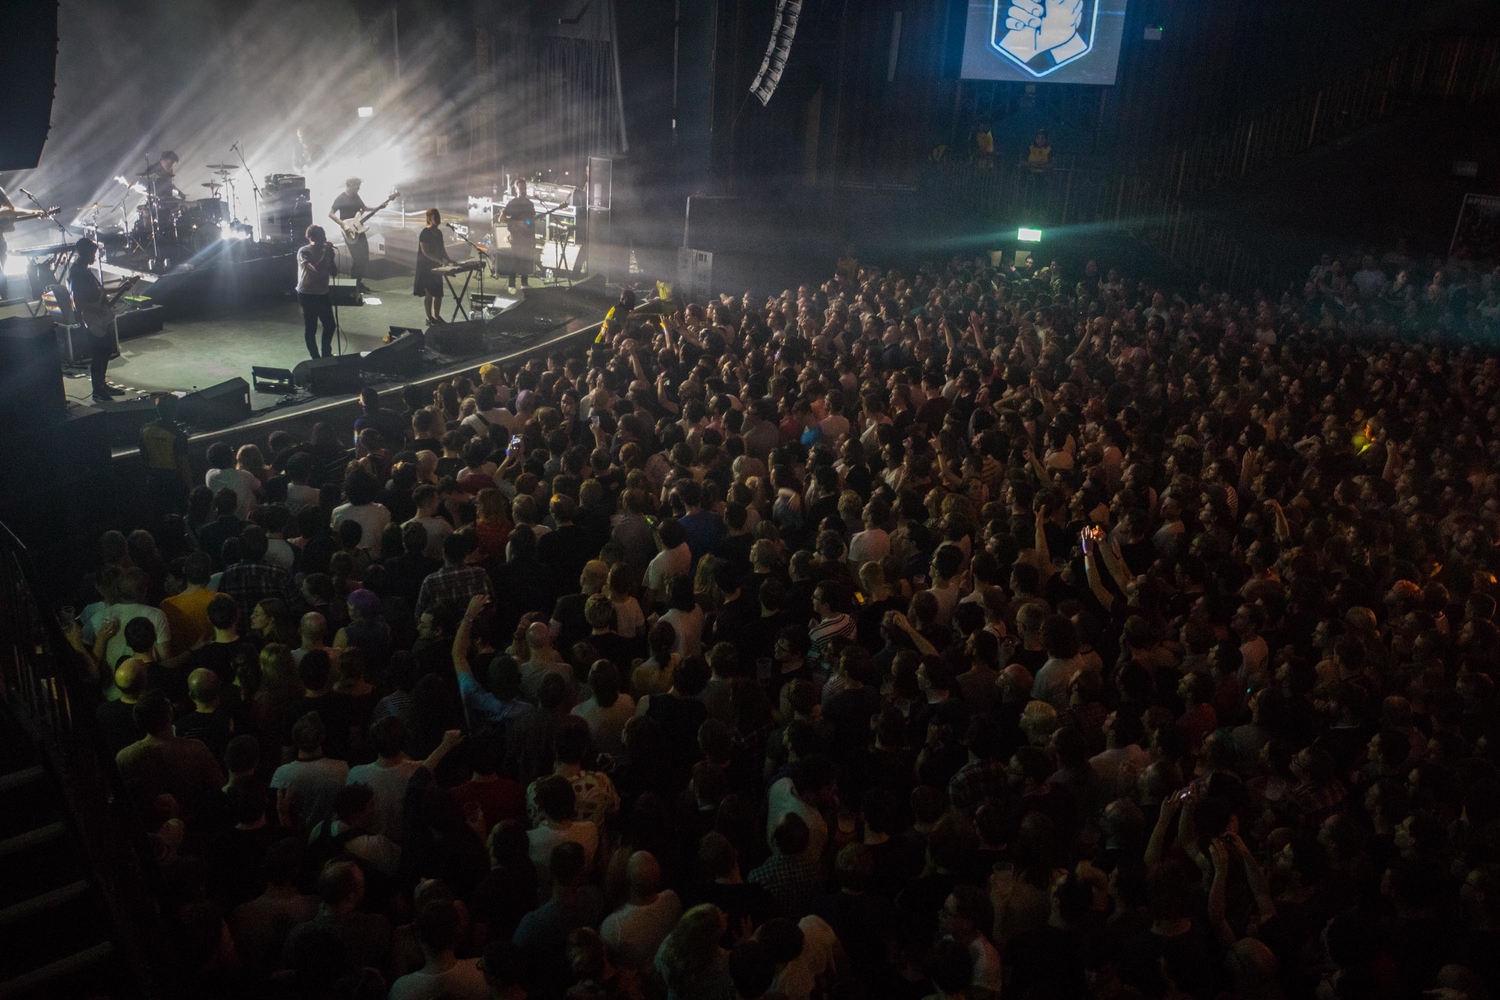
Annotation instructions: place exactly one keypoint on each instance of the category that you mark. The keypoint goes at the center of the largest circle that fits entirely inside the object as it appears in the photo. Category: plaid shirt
(794, 881)
(1312, 804)
(976, 781)
(249, 583)
(452, 583)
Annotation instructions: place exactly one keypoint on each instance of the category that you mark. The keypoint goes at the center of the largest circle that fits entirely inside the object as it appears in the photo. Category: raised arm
(461, 638)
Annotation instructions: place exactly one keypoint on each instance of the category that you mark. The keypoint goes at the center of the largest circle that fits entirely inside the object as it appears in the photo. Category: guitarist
(346, 206)
(520, 222)
(94, 308)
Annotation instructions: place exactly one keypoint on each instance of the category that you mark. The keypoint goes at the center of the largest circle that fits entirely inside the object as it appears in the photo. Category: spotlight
(1024, 235)
(367, 112)
(15, 266)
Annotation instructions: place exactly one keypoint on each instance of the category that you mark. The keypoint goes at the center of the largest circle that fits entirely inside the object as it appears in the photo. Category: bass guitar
(359, 225)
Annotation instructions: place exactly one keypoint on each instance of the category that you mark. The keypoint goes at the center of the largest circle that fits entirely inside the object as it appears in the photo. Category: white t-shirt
(545, 837)
(666, 565)
(463, 981)
(299, 495)
(389, 785)
(986, 965)
(607, 725)
(437, 529)
(125, 613)
(279, 552)
(781, 800)
(242, 482)
(635, 931)
(799, 978)
(372, 517)
(689, 627)
(313, 784)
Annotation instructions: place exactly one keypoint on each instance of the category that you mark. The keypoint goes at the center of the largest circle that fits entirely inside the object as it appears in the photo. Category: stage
(208, 337)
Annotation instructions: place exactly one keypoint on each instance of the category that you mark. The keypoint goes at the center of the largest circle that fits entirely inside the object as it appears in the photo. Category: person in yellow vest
(1039, 156)
(984, 146)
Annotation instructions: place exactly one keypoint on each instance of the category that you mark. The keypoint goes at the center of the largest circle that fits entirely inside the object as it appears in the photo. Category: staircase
(78, 918)
(53, 917)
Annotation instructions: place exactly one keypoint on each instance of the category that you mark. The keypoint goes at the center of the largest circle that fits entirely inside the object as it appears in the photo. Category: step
(29, 908)
(51, 972)
(32, 838)
(22, 778)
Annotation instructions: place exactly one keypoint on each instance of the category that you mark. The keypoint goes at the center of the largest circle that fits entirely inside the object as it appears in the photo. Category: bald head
(538, 636)
(314, 628)
(203, 687)
(644, 874)
(130, 678)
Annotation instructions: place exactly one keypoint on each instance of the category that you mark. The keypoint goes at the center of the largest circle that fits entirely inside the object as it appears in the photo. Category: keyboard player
(431, 255)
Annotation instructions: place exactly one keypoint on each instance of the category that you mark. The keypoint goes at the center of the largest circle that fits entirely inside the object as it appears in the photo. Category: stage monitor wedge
(1045, 41)
(218, 405)
(330, 376)
(402, 357)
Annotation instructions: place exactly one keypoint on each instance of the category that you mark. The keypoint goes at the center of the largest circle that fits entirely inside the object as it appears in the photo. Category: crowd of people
(961, 633)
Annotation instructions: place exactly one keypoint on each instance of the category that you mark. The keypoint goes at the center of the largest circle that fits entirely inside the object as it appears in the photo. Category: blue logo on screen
(1041, 36)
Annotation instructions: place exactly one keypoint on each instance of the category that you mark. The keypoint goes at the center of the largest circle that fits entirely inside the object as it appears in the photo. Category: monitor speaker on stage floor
(401, 357)
(218, 405)
(330, 376)
(458, 339)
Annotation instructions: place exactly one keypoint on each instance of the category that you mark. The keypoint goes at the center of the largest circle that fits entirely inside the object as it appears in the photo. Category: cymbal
(211, 184)
(222, 166)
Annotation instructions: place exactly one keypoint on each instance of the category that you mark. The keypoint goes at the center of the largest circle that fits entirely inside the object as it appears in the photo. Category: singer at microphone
(316, 264)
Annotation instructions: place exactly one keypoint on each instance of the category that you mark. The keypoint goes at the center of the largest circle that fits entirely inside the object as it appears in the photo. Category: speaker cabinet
(31, 384)
(218, 405)
(402, 357)
(330, 376)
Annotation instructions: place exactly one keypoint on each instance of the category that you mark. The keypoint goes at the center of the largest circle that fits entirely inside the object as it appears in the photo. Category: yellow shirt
(1039, 156)
(187, 618)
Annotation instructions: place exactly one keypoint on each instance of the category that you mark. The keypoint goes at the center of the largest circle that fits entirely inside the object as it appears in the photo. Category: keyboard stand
(458, 295)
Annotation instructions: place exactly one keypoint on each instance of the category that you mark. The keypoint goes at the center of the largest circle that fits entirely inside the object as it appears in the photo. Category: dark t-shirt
(117, 722)
(347, 206)
(214, 729)
(219, 657)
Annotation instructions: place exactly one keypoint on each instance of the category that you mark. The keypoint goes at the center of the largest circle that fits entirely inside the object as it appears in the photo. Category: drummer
(162, 176)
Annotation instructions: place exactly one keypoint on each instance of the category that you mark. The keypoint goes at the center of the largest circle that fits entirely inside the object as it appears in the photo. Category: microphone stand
(67, 234)
(483, 256)
(254, 189)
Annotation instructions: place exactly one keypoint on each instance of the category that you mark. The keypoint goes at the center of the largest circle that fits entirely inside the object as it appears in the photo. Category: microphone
(26, 192)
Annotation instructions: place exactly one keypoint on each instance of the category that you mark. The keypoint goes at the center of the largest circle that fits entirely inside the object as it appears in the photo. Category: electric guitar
(356, 227)
(10, 216)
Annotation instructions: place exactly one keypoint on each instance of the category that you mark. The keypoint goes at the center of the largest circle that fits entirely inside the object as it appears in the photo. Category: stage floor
(197, 352)
(203, 348)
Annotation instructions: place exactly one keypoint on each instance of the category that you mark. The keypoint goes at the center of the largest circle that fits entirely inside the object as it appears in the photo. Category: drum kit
(166, 224)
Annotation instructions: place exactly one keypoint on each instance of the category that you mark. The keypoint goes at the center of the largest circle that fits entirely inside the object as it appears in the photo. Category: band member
(431, 254)
(316, 263)
(162, 178)
(520, 221)
(346, 206)
(304, 153)
(93, 309)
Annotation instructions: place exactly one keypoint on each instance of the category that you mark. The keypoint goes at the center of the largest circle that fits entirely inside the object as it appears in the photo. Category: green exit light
(1025, 235)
